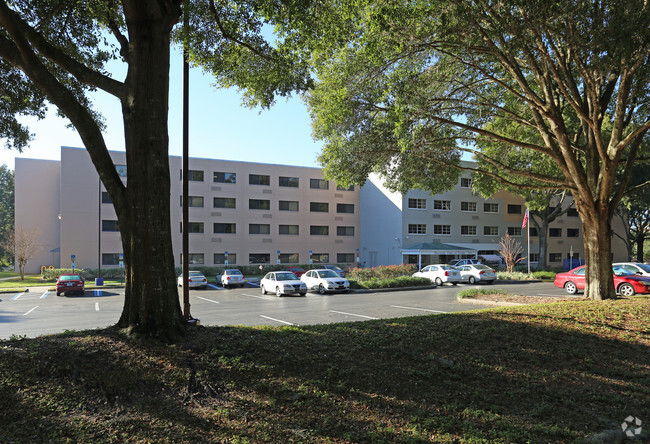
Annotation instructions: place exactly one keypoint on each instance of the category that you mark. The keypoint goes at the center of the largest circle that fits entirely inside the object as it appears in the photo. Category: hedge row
(398, 282)
(382, 272)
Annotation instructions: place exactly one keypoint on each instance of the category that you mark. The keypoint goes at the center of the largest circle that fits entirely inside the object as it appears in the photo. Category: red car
(69, 283)
(625, 282)
(298, 271)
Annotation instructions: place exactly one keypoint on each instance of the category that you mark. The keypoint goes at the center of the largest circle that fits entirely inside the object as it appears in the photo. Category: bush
(381, 272)
(471, 292)
(544, 274)
(397, 282)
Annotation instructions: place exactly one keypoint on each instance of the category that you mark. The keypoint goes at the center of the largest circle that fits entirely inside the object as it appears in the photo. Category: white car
(440, 273)
(282, 282)
(196, 279)
(474, 273)
(635, 267)
(325, 281)
(231, 277)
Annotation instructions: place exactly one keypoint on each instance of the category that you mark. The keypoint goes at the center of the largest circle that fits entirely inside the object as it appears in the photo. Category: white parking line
(44, 295)
(268, 298)
(209, 300)
(276, 320)
(352, 314)
(17, 296)
(25, 314)
(96, 306)
(99, 292)
(421, 309)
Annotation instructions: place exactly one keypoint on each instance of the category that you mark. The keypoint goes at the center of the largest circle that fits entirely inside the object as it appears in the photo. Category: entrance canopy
(438, 249)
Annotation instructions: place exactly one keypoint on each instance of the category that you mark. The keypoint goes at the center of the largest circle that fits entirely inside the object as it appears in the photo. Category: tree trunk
(640, 239)
(597, 235)
(542, 234)
(151, 304)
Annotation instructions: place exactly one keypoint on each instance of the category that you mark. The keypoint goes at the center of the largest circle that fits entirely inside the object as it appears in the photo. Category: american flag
(523, 225)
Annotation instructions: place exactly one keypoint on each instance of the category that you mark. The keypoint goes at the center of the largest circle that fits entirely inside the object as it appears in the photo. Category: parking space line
(215, 287)
(17, 296)
(25, 314)
(99, 292)
(44, 295)
(209, 300)
(96, 306)
(352, 314)
(276, 320)
(268, 298)
(421, 309)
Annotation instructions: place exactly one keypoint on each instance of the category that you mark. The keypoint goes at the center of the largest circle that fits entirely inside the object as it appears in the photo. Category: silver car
(637, 268)
(476, 273)
(439, 273)
(196, 280)
(325, 281)
(231, 278)
(282, 282)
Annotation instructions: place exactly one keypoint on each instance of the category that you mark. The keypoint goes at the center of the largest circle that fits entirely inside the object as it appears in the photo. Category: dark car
(69, 283)
(298, 271)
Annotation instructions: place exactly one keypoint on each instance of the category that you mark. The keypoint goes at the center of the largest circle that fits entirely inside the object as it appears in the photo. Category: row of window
(261, 179)
(231, 228)
(471, 230)
(554, 257)
(488, 207)
(253, 258)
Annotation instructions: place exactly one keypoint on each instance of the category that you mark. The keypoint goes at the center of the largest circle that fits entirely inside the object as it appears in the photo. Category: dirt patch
(513, 299)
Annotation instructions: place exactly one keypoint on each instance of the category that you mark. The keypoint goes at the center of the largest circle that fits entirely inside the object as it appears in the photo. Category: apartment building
(240, 213)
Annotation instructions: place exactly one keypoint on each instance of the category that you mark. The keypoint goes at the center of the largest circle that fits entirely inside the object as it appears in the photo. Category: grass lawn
(538, 373)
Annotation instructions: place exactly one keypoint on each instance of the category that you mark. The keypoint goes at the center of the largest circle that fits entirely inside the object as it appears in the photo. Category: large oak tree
(423, 82)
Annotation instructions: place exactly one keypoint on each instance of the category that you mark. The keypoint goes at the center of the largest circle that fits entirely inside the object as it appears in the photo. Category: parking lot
(38, 311)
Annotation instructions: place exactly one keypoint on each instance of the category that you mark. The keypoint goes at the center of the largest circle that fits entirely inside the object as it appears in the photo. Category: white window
(468, 230)
(442, 229)
(468, 206)
(514, 231)
(417, 204)
(417, 229)
(490, 231)
(490, 207)
(444, 205)
(465, 182)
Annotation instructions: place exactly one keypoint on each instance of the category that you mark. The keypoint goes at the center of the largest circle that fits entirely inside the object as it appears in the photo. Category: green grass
(537, 373)
(34, 280)
(472, 292)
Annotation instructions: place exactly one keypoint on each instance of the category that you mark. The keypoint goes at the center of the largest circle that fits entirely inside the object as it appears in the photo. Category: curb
(385, 290)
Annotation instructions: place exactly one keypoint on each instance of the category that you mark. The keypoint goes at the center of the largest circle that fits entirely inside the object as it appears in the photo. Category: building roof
(436, 248)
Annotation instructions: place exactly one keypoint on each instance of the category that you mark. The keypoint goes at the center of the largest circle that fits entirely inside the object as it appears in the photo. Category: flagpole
(528, 236)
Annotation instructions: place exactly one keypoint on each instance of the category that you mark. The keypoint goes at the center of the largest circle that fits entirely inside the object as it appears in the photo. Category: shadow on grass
(512, 375)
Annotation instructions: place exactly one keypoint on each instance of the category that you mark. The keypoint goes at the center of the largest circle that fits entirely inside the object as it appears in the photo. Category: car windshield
(195, 273)
(285, 276)
(619, 271)
(447, 267)
(644, 267)
(482, 267)
(233, 272)
(71, 277)
(327, 274)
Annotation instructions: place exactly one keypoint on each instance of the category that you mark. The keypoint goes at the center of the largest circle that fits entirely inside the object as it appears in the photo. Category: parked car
(196, 280)
(335, 268)
(69, 283)
(474, 273)
(635, 267)
(282, 282)
(298, 271)
(460, 262)
(439, 274)
(325, 280)
(231, 277)
(626, 283)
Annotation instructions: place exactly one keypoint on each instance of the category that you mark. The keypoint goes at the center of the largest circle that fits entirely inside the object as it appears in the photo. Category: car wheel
(303, 294)
(278, 292)
(571, 288)
(490, 282)
(438, 282)
(454, 283)
(262, 288)
(58, 293)
(472, 280)
(321, 289)
(626, 290)
(83, 292)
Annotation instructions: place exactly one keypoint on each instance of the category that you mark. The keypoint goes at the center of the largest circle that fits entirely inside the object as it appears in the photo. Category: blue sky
(220, 127)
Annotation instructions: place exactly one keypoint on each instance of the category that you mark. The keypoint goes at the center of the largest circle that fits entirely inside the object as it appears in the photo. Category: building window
(319, 207)
(288, 258)
(345, 231)
(220, 258)
(468, 230)
(490, 207)
(289, 205)
(514, 231)
(490, 231)
(289, 230)
(292, 182)
(195, 258)
(320, 258)
(442, 229)
(193, 201)
(259, 204)
(259, 179)
(193, 227)
(572, 212)
(319, 184)
(106, 198)
(319, 230)
(576, 256)
(220, 177)
(110, 225)
(555, 232)
(555, 257)
(194, 175)
(534, 257)
(514, 209)
(417, 204)
(417, 229)
(340, 188)
(444, 205)
(465, 182)
(110, 258)
(468, 206)
(224, 228)
(121, 170)
(259, 258)
(532, 231)
(344, 258)
(259, 229)
(225, 202)
(345, 208)
(572, 232)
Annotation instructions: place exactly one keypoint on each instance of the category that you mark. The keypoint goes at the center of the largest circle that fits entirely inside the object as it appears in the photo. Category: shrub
(382, 272)
(544, 274)
(397, 282)
(471, 292)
